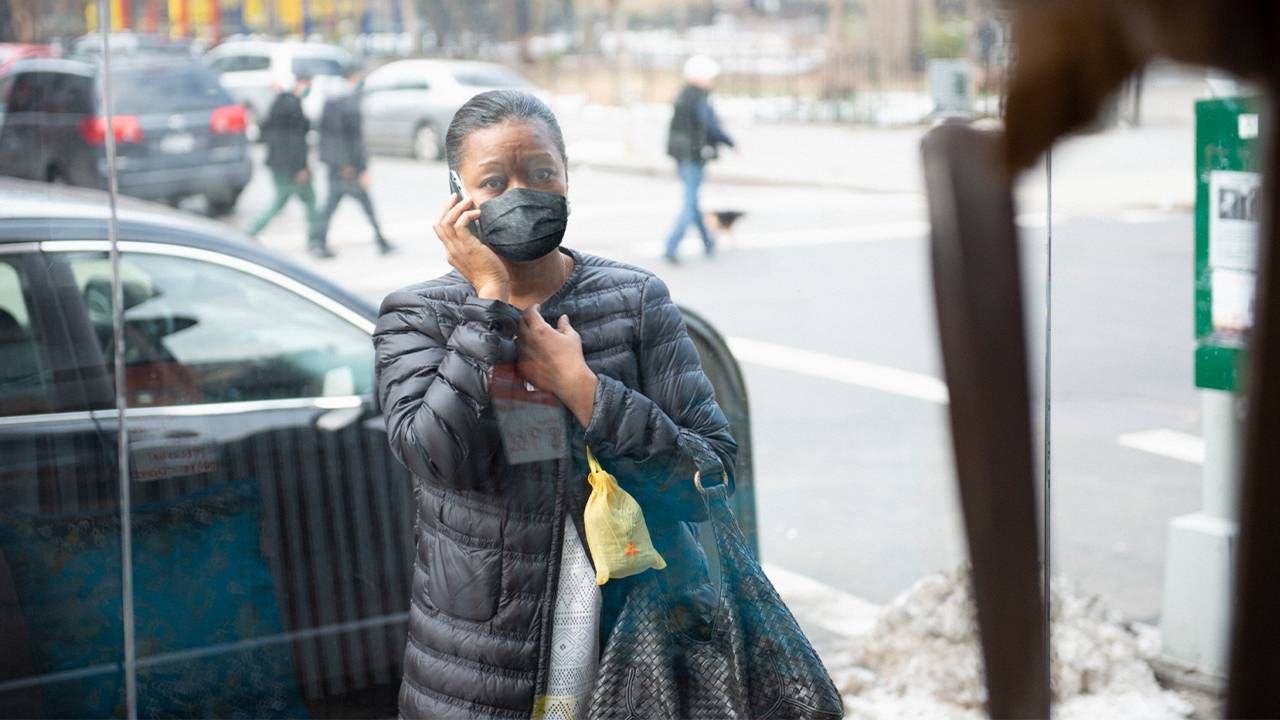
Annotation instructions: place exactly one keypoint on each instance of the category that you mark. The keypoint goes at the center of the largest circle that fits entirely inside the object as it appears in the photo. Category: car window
(28, 92)
(196, 332)
(167, 88)
(399, 76)
(6, 84)
(488, 77)
(314, 66)
(224, 64)
(23, 380)
(241, 63)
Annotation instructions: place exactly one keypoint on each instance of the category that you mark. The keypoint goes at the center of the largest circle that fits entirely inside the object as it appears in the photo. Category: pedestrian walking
(493, 397)
(342, 149)
(693, 139)
(285, 133)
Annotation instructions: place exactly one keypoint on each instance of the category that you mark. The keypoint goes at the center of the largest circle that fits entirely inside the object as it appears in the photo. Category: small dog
(721, 222)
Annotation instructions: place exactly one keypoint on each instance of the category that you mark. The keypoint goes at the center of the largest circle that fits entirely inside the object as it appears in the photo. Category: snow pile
(922, 660)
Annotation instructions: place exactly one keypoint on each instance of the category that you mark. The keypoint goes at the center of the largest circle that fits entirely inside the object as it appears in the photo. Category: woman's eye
(492, 183)
(544, 175)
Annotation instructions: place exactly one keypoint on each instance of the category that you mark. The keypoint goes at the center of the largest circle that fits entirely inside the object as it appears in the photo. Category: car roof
(445, 64)
(89, 68)
(60, 65)
(59, 212)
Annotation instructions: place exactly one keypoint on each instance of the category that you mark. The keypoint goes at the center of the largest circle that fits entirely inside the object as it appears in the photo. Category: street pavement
(825, 296)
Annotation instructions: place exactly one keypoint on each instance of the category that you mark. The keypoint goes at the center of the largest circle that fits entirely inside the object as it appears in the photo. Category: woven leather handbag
(756, 663)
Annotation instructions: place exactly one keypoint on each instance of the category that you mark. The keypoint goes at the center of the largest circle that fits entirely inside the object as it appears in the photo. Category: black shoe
(385, 248)
(321, 252)
(671, 259)
(711, 250)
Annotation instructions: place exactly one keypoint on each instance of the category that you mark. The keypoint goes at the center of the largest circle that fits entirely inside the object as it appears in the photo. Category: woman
(494, 379)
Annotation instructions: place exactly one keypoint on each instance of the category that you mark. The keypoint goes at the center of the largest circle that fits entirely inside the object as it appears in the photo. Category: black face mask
(522, 224)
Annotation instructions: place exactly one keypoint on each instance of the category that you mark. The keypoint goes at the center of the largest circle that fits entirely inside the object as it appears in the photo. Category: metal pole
(122, 430)
(1046, 559)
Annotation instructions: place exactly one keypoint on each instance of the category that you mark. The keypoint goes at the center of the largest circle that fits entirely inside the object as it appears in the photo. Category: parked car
(177, 132)
(272, 530)
(11, 53)
(254, 71)
(408, 103)
(131, 44)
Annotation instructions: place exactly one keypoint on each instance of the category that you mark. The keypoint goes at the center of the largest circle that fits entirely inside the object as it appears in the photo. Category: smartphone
(455, 186)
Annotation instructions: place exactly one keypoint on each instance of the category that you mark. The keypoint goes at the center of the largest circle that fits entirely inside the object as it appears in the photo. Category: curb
(815, 602)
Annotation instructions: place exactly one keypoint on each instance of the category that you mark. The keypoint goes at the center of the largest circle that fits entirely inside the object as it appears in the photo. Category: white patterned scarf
(575, 635)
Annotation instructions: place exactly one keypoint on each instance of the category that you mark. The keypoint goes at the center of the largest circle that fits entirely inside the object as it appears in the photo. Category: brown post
(978, 295)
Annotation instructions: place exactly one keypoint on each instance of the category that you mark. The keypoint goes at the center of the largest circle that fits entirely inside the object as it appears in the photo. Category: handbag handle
(705, 490)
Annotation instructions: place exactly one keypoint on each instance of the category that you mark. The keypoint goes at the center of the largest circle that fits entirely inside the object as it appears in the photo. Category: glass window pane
(195, 333)
(313, 66)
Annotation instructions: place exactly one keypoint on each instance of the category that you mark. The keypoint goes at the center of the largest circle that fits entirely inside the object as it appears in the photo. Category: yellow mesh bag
(616, 533)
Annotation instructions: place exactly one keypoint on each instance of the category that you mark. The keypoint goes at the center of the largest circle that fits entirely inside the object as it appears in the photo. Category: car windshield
(165, 88)
(489, 78)
(314, 66)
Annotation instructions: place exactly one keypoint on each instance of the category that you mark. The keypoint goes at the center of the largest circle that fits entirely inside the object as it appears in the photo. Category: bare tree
(20, 24)
(409, 17)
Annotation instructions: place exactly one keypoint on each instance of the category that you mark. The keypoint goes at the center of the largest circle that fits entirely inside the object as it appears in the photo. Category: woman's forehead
(508, 140)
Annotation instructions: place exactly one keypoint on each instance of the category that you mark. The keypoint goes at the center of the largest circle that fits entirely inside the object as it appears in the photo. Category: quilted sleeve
(657, 435)
(433, 391)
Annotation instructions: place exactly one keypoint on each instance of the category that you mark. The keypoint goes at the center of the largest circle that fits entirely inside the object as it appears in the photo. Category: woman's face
(511, 154)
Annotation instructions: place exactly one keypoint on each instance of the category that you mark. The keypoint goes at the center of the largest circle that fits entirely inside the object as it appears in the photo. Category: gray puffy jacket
(488, 533)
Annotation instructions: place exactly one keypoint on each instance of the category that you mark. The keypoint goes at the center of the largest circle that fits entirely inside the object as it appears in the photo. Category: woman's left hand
(551, 358)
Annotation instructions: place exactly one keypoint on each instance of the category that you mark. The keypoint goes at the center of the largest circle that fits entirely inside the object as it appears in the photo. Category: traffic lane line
(1166, 443)
(904, 383)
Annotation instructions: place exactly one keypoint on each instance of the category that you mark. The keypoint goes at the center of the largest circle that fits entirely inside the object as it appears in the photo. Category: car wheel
(221, 204)
(426, 143)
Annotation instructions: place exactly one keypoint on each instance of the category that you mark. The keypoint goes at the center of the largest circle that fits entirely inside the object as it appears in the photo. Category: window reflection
(197, 333)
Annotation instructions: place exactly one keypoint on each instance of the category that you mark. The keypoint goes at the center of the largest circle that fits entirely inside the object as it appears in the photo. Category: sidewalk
(1149, 168)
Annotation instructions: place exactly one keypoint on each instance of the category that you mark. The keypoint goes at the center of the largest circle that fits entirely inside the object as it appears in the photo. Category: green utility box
(1228, 208)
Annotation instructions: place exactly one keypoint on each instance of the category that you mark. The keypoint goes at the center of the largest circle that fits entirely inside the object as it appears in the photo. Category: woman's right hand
(480, 265)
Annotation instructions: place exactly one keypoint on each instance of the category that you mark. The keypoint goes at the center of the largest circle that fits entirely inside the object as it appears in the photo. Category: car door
(378, 102)
(60, 527)
(396, 106)
(271, 528)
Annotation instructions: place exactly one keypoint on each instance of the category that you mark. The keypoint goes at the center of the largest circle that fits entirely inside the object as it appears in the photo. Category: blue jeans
(691, 175)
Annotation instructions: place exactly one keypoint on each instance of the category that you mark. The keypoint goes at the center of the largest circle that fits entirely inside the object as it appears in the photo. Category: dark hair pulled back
(495, 107)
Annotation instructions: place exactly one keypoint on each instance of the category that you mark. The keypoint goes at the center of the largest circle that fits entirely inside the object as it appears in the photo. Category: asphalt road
(825, 296)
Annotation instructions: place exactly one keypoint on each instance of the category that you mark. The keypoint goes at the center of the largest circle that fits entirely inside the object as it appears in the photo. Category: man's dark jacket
(342, 134)
(695, 132)
(285, 133)
(488, 533)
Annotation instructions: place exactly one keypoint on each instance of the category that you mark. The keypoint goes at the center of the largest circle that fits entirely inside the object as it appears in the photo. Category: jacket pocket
(464, 578)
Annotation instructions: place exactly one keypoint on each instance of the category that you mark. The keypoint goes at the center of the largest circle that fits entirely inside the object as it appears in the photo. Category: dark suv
(177, 132)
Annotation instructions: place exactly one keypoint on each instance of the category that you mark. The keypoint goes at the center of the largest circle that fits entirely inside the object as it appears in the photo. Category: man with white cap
(693, 139)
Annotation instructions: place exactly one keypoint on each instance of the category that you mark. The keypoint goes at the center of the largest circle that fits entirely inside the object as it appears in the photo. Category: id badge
(531, 421)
